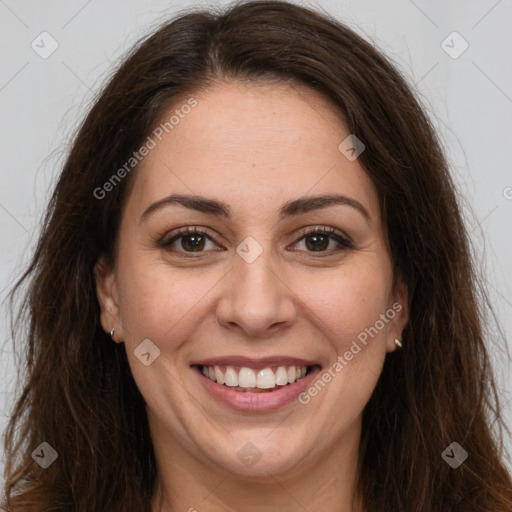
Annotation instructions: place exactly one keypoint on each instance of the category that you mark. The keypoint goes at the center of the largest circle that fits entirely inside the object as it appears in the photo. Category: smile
(251, 380)
(255, 384)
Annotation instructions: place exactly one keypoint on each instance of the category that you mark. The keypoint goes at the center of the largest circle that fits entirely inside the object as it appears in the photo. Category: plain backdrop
(455, 53)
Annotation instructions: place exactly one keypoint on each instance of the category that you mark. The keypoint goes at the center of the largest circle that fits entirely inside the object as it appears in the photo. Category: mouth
(255, 380)
(255, 385)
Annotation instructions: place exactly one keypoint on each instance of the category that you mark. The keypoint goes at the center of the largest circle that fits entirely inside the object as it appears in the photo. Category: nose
(256, 300)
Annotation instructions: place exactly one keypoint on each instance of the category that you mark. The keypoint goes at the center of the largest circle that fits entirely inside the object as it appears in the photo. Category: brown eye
(187, 240)
(322, 241)
(193, 242)
(317, 242)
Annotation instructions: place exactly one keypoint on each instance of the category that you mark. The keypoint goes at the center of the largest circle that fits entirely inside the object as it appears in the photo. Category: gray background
(468, 97)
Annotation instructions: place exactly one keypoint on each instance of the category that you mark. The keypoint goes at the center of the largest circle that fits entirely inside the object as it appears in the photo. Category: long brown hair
(79, 395)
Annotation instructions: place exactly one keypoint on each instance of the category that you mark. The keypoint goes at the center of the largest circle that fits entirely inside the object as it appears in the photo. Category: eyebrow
(289, 209)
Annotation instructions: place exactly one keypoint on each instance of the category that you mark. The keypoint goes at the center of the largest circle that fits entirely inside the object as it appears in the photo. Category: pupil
(318, 242)
(197, 242)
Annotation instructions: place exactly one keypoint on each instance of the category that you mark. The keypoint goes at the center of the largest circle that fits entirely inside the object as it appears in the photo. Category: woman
(254, 290)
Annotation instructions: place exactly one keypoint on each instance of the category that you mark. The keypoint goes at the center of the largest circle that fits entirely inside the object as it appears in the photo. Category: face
(266, 282)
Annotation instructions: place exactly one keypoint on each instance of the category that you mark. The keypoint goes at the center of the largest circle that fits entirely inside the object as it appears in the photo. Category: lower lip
(257, 402)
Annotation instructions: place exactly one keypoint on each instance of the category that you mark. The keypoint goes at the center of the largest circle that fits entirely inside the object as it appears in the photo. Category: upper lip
(254, 362)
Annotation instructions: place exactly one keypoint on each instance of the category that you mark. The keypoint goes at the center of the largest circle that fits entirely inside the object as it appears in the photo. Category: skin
(253, 147)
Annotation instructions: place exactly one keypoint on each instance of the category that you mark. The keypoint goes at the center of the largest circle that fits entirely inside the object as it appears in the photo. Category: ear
(400, 307)
(108, 298)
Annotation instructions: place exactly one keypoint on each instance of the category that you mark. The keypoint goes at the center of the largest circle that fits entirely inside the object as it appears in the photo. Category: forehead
(253, 145)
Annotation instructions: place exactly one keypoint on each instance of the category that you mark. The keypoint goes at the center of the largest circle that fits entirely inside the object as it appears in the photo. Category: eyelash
(344, 242)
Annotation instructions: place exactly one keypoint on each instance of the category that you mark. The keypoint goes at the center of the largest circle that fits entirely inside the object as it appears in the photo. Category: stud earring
(112, 333)
(398, 343)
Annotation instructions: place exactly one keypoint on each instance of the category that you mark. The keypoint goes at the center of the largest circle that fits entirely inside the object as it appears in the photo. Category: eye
(193, 239)
(319, 239)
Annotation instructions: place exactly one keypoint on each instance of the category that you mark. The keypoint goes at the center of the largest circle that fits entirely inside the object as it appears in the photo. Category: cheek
(159, 304)
(348, 301)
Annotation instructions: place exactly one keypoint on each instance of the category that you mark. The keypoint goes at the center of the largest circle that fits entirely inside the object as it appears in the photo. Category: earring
(398, 343)
(112, 333)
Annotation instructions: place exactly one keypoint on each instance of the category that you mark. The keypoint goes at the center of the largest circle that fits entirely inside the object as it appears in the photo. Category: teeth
(266, 379)
(282, 376)
(247, 378)
(219, 376)
(231, 377)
